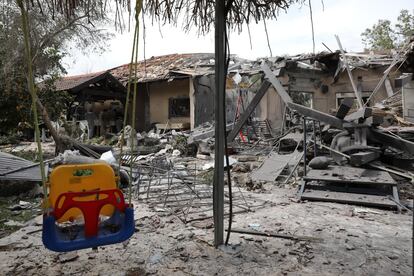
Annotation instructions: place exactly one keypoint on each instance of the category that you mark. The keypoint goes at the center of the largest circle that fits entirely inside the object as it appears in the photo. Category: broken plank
(255, 101)
(276, 83)
(317, 115)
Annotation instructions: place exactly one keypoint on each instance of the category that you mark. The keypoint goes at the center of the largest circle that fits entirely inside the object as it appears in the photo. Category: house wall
(159, 94)
(272, 108)
(142, 121)
(366, 81)
(408, 101)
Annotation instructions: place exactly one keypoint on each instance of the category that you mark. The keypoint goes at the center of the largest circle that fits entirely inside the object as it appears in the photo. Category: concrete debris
(13, 223)
(320, 162)
(67, 257)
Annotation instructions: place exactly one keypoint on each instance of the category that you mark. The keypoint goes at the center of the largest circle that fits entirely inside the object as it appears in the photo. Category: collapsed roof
(169, 67)
(175, 66)
(99, 85)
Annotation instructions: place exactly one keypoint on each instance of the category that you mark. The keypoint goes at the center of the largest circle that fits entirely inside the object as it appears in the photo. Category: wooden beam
(276, 83)
(351, 78)
(317, 115)
(249, 110)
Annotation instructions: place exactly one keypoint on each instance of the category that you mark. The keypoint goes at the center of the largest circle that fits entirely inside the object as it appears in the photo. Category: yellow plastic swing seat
(81, 178)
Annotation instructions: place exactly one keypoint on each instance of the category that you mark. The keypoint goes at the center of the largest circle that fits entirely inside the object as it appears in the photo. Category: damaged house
(173, 91)
(321, 82)
(98, 100)
(177, 91)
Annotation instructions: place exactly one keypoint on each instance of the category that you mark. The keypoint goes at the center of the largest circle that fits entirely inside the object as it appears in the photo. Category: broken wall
(366, 80)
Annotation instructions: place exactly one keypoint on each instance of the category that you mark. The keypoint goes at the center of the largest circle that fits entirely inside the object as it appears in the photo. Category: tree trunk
(59, 143)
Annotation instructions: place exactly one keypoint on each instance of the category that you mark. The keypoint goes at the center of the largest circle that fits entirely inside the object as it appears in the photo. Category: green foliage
(51, 38)
(405, 25)
(380, 37)
(9, 139)
(15, 102)
(384, 36)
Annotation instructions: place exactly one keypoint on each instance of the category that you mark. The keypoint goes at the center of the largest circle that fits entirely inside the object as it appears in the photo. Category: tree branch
(48, 38)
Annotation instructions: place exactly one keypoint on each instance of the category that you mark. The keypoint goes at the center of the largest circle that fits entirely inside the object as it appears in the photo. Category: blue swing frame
(56, 240)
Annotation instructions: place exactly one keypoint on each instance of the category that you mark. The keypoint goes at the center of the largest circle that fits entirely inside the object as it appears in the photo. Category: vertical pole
(218, 184)
(304, 146)
(314, 138)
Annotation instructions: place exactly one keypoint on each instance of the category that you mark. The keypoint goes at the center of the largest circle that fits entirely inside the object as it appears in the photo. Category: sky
(290, 34)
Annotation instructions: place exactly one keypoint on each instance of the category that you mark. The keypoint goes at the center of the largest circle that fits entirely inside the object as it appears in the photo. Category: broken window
(303, 98)
(178, 107)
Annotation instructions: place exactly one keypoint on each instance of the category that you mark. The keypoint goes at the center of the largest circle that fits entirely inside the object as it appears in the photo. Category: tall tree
(50, 37)
(385, 36)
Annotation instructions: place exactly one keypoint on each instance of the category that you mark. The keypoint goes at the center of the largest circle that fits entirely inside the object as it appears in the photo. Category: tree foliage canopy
(194, 13)
(384, 36)
(50, 37)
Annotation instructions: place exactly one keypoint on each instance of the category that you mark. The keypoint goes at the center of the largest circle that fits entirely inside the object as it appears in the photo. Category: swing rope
(32, 91)
(133, 71)
(31, 87)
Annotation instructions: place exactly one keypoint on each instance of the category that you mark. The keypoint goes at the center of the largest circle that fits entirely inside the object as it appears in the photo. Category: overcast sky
(289, 34)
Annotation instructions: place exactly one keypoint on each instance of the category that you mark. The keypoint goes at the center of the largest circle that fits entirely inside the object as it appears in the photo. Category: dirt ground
(351, 241)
